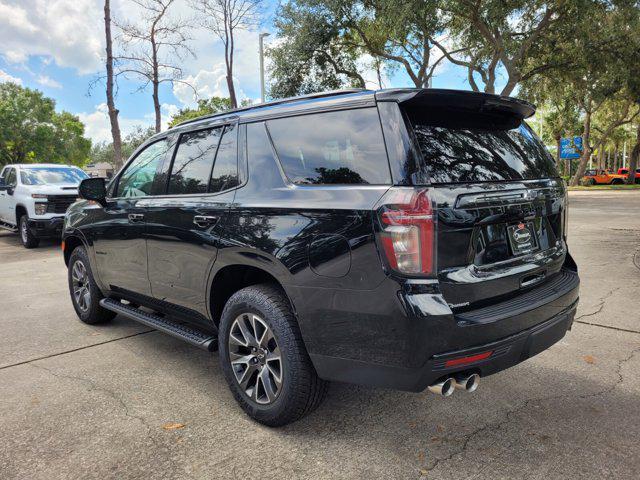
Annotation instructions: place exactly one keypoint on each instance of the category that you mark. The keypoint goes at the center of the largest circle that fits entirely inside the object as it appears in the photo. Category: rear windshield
(53, 175)
(473, 149)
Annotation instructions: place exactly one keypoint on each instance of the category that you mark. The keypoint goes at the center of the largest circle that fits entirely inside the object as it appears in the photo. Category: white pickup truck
(34, 198)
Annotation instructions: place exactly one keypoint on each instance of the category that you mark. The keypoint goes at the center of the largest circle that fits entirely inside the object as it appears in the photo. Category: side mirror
(93, 189)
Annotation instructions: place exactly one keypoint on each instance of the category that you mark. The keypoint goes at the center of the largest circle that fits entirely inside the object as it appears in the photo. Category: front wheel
(264, 359)
(85, 294)
(29, 240)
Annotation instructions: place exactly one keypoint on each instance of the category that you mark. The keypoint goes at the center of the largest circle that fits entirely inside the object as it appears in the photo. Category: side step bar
(6, 226)
(198, 338)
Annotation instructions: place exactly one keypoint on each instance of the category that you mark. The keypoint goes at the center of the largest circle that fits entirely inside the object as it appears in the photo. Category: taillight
(407, 230)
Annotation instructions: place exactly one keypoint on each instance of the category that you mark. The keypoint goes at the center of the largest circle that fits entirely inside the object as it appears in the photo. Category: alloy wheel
(23, 231)
(80, 283)
(255, 358)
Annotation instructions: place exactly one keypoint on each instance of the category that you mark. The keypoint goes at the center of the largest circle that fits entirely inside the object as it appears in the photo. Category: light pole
(261, 41)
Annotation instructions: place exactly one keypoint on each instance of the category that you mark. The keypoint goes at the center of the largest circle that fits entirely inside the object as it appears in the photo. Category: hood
(57, 189)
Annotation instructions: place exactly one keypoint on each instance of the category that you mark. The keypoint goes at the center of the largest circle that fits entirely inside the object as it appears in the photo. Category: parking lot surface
(122, 401)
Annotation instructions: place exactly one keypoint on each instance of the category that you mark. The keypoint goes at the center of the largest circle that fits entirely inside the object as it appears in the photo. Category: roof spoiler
(458, 99)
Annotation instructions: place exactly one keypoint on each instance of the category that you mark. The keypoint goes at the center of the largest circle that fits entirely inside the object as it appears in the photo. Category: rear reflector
(407, 232)
(454, 362)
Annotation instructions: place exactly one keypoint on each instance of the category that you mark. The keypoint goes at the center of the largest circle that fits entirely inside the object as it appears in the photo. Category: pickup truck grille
(59, 203)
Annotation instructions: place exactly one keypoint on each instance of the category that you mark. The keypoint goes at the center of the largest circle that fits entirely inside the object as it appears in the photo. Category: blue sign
(571, 147)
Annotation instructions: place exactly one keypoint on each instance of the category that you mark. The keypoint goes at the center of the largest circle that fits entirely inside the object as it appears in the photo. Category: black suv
(403, 238)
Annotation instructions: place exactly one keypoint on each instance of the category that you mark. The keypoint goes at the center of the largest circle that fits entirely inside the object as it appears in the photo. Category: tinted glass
(336, 147)
(225, 170)
(56, 175)
(137, 179)
(10, 178)
(476, 154)
(193, 161)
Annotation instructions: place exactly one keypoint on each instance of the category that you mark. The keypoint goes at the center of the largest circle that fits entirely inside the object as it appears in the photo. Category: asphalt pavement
(121, 401)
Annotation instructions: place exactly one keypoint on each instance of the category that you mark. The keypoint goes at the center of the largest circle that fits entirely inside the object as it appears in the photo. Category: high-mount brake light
(407, 233)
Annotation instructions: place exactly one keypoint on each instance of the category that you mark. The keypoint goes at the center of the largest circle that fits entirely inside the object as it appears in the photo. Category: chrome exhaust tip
(444, 388)
(468, 383)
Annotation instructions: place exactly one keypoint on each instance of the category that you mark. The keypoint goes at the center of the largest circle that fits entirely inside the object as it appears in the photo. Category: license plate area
(522, 238)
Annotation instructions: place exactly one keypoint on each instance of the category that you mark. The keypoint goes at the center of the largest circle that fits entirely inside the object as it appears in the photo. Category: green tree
(205, 107)
(322, 42)
(103, 151)
(509, 38)
(32, 131)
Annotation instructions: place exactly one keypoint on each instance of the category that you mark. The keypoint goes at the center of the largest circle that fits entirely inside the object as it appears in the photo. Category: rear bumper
(415, 348)
(50, 227)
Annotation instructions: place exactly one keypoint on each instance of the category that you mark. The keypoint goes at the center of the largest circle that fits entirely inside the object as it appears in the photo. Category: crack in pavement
(602, 301)
(75, 349)
(93, 385)
(511, 413)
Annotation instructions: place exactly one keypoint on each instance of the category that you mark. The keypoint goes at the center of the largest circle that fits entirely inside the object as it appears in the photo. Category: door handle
(136, 217)
(204, 220)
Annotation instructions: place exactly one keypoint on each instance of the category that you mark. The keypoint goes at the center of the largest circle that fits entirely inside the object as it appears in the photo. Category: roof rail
(280, 101)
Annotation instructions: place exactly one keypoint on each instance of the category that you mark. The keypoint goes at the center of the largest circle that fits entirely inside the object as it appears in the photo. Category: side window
(137, 179)
(343, 147)
(10, 177)
(225, 170)
(193, 161)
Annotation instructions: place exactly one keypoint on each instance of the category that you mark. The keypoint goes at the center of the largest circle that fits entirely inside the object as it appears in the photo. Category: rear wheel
(85, 294)
(29, 240)
(616, 181)
(264, 358)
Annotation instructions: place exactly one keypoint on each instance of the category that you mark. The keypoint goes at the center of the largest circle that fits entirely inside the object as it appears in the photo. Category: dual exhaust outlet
(468, 383)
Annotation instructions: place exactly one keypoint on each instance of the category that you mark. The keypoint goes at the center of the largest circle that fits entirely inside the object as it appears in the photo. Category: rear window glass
(343, 147)
(470, 152)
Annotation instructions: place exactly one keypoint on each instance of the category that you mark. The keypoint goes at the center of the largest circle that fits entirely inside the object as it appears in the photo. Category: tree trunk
(228, 58)
(113, 111)
(586, 152)
(635, 158)
(156, 104)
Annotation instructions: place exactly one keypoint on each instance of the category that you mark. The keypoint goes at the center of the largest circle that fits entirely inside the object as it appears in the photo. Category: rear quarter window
(344, 147)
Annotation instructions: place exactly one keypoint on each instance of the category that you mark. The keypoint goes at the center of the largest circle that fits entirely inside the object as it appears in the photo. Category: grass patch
(605, 187)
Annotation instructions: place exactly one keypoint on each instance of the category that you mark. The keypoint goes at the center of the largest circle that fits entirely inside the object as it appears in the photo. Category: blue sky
(57, 47)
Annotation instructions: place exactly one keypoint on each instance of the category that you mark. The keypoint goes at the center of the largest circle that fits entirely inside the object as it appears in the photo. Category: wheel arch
(71, 242)
(20, 209)
(231, 278)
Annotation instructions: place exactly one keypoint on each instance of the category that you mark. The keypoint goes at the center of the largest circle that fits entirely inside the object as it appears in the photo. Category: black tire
(300, 391)
(616, 181)
(29, 240)
(88, 311)
(592, 181)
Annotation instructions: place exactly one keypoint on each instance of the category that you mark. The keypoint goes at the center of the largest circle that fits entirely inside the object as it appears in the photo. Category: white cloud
(5, 77)
(69, 31)
(98, 127)
(47, 81)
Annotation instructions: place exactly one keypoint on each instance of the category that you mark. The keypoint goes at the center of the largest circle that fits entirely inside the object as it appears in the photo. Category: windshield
(472, 149)
(51, 175)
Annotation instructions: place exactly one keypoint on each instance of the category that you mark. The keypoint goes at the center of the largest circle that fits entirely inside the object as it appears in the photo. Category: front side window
(344, 147)
(193, 161)
(137, 179)
(10, 178)
(225, 170)
(51, 176)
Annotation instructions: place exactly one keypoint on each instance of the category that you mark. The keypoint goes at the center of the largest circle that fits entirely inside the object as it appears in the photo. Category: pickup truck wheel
(264, 359)
(592, 181)
(85, 294)
(29, 240)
